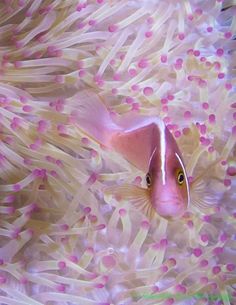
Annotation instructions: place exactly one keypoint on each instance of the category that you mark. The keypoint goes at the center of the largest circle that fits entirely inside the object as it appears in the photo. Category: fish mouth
(170, 208)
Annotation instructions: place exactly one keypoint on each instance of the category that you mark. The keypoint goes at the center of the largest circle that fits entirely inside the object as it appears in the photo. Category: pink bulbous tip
(227, 182)
(190, 224)
(169, 301)
(135, 107)
(61, 265)
(230, 267)
(205, 106)
(198, 11)
(132, 72)
(209, 29)
(164, 269)
(221, 75)
(116, 77)
(3, 279)
(177, 133)
(181, 36)
(172, 262)
(216, 270)
(163, 58)
(163, 242)
(143, 63)
(60, 287)
(218, 250)
(148, 91)
(203, 263)
(27, 108)
(100, 227)
(204, 280)
(145, 225)
(228, 86)
(231, 171)
(109, 261)
(87, 210)
(114, 91)
(122, 212)
(228, 35)
(211, 149)
(148, 34)
(112, 28)
(220, 52)
(180, 288)
(149, 20)
(92, 22)
(74, 259)
(212, 118)
(135, 87)
(234, 130)
(204, 237)
(64, 227)
(197, 252)
(92, 218)
(16, 187)
(137, 180)
(196, 53)
(187, 114)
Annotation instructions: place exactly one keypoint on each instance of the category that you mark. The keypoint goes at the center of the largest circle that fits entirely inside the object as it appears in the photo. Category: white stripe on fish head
(185, 174)
(162, 128)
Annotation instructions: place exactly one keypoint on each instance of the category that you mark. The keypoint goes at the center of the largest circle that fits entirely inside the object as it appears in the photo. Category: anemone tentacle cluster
(63, 239)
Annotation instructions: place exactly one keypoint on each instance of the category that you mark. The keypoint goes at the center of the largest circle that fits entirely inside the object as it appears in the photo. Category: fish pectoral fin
(138, 197)
(200, 199)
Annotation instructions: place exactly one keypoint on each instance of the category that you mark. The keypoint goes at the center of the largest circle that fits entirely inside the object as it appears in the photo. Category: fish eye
(180, 177)
(148, 180)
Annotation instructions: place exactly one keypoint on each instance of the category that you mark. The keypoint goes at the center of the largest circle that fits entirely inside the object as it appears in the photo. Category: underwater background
(65, 240)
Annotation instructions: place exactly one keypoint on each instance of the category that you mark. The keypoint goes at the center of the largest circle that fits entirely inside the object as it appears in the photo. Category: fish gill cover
(63, 239)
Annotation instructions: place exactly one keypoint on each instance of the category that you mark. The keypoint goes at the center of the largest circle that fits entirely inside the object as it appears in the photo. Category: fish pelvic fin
(137, 197)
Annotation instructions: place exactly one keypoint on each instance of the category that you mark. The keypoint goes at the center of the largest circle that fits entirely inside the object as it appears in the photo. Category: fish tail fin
(92, 116)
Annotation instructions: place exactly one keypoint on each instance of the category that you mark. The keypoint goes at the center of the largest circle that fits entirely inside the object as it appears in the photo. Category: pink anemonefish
(146, 143)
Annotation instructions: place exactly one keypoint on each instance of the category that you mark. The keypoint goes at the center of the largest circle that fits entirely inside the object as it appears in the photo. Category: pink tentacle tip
(203, 263)
(143, 63)
(15, 233)
(181, 36)
(109, 261)
(164, 58)
(164, 242)
(112, 28)
(16, 187)
(148, 34)
(100, 227)
(122, 212)
(3, 280)
(148, 91)
(216, 270)
(27, 108)
(74, 259)
(61, 288)
(197, 252)
(230, 267)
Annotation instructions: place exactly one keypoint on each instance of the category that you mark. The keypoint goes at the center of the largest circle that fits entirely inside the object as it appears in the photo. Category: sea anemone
(63, 238)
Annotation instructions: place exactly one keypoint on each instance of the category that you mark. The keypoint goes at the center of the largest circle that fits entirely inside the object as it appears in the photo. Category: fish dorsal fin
(138, 139)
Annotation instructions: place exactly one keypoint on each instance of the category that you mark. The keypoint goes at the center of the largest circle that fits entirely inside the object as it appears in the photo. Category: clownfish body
(148, 144)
